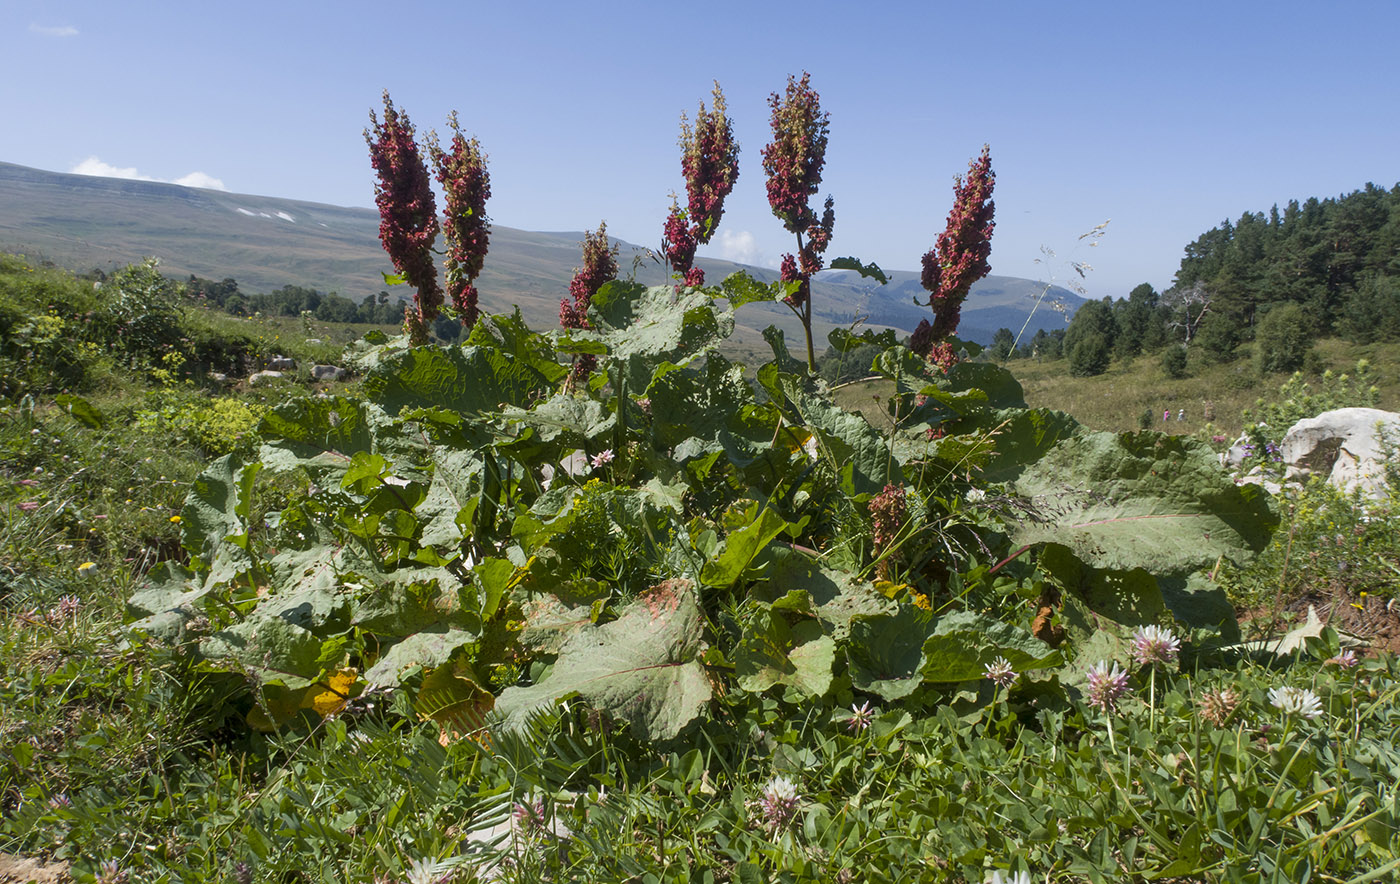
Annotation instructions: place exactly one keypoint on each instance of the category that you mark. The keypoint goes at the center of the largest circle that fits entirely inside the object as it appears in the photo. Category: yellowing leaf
(330, 696)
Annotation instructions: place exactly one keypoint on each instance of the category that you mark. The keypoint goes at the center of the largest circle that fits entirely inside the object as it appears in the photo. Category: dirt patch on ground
(23, 870)
(1372, 619)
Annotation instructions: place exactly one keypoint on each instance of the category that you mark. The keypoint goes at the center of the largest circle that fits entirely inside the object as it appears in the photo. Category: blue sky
(1166, 118)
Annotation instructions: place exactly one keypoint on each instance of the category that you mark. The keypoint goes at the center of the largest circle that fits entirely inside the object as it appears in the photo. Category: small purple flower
(1106, 686)
(603, 457)
(1153, 645)
(1345, 660)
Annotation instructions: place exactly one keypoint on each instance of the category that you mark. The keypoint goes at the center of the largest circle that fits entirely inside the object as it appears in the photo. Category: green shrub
(1283, 339)
(1174, 361)
(1089, 356)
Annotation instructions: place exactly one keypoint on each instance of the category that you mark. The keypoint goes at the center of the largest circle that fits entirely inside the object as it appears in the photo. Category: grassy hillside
(81, 222)
(1116, 399)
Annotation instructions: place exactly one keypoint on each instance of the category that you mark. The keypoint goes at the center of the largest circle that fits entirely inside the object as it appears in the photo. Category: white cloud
(200, 179)
(741, 247)
(94, 166)
(54, 30)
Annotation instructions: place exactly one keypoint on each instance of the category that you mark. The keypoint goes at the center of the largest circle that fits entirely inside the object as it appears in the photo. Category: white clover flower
(779, 803)
(975, 495)
(1106, 685)
(1001, 672)
(1155, 645)
(1296, 701)
(861, 716)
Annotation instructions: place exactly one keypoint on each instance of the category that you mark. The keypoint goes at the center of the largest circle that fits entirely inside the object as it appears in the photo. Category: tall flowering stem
(599, 267)
(959, 256)
(793, 163)
(461, 170)
(710, 164)
(407, 212)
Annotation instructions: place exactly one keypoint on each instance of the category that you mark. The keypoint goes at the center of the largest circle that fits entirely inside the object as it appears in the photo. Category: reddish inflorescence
(710, 164)
(467, 185)
(408, 222)
(959, 257)
(793, 163)
(599, 267)
(888, 513)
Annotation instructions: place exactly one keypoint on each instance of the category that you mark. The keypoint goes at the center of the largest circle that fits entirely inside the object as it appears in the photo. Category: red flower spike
(461, 171)
(407, 211)
(959, 257)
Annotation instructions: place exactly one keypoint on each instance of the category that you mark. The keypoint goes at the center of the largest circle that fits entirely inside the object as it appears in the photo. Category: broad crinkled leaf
(1141, 500)
(772, 652)
(426, 650)
(838, 596)
(642, 668)
(964, 643)
(472, 380)
(643, 327)
(740, 549)
(454, 487)
(215, 515)
(846, 437)
(885, 652)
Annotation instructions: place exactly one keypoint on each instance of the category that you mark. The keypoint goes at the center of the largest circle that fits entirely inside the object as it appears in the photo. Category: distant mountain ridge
(81, 222)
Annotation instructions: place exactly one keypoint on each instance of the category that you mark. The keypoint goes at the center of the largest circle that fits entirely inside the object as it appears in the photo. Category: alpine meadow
(419, 593)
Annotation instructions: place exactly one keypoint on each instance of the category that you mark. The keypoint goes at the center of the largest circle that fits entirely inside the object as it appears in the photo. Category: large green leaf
(885, 652)
(773, 652)
(214, 520)
(1141, 500)
(740, 549)
(422, 650)
(642, 668)
(962, 644)
(472, 380)
(846, 438)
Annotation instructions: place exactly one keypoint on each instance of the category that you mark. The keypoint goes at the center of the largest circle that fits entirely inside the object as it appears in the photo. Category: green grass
(135, 763)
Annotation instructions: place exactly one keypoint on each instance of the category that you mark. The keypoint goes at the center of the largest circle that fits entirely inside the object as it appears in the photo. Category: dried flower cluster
(793, 163)
(461, 170)
(710, 163)
(1218, 706)
(888, 511)
(408, 222)
(959, 256)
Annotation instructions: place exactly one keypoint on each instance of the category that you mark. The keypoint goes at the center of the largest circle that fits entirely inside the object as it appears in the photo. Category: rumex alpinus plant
(710, 163)
(958, 258)
(407, 212)
(599, 267)
(793, 163)
(461, 170)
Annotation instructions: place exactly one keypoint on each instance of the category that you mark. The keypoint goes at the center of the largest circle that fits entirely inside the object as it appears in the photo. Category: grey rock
(1349, 446)
(329, 373)
(282, 363)
(263, 377)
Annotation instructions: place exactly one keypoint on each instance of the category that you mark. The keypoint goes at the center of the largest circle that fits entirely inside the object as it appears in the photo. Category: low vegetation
(863, 683)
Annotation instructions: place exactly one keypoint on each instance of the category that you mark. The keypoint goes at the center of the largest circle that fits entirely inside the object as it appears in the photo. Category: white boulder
(1348, 445)
(329, 373)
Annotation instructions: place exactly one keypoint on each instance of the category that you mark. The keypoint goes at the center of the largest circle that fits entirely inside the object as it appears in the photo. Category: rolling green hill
(81, 222)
